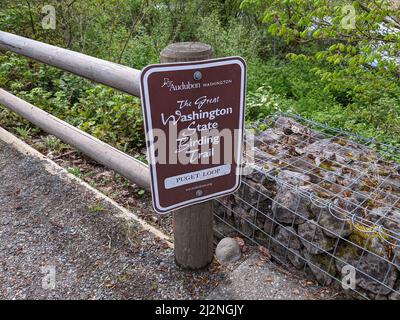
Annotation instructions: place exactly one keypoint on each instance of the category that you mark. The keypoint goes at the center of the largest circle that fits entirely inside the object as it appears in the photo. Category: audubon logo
(197, 75)
(181, 86)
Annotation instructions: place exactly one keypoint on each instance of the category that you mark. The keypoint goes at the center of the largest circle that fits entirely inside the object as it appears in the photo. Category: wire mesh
(321, 200)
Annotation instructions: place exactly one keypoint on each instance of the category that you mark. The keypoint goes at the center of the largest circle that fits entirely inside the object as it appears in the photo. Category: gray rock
(224, 228)
(396, 259)
(269, 226)
(335, 222)
(338, 150)
(248, 221)
(293, 178)
(263, 157)
(262, 238)
(269, 136)
(395, 295)
(379, 214)
(220, 210)
(371, 269)
(389, 218)
(292, 202)
(245, 220)
(257, 188)
(323, 148)
(392, 184)
(223, 206)
(264, 208)
(255, 174)
(289, 127)
(322, 267)
(261, 215)
(361, 196)
(288, 237)
(228, 251)
(292, 206)
(396, 255)
(314, 239)
(377, 246)
(251, 193)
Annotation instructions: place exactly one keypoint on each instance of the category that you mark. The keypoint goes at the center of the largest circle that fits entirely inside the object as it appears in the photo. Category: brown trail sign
(194, 118)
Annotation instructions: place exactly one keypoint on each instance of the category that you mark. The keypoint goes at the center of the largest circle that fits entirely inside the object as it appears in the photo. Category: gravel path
(54, 226)
(51, 221)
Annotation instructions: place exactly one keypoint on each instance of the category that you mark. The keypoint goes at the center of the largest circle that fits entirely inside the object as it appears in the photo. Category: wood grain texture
(193, 225)
(193, 236)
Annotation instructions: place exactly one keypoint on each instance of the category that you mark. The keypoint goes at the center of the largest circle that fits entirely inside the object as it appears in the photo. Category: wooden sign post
(193, 109)
(194, 225)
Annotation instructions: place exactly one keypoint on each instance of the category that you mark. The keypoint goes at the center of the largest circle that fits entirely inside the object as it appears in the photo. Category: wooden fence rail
(111, 74)
(193, 226)
(127, 166)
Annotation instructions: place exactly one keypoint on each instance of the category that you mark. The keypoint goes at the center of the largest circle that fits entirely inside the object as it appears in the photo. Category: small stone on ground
(228, 251)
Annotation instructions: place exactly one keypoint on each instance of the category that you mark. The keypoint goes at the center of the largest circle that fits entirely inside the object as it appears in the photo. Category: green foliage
(354, 45)
(24, 132)
(110, 116)
(97, 207)
(262, 103)
(75, 171)
(105, 113)
(292, 86)
(232, 39)
(53, 143)
(299, 57)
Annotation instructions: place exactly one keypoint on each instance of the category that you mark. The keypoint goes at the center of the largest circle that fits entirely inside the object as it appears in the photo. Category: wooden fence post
(194, 225)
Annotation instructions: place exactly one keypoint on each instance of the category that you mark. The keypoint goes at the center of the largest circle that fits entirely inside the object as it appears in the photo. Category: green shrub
(109, 115)
(134, 32)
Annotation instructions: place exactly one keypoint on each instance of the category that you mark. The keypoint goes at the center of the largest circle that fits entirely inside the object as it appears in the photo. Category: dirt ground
(59, 239)
(50, 224)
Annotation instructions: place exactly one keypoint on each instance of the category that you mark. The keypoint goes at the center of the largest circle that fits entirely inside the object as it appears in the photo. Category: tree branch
(388, 20)
(31, 18)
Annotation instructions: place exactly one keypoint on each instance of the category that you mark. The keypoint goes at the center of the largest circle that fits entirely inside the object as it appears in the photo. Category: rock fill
(320, 202)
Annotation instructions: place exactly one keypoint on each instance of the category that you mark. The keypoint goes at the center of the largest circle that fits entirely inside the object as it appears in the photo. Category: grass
(24, 132)
(76, 171)
(54, 144)
(97, 207)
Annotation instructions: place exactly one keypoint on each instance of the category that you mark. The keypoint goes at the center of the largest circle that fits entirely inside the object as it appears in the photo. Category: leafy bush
(262, 103)
(233, 39)
(293, 64)
(105, 113)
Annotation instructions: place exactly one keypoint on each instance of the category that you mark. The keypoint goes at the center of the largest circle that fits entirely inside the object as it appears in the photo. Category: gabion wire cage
(322, 200)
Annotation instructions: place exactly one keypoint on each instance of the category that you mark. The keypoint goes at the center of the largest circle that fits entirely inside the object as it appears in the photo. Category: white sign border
(144, 90)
